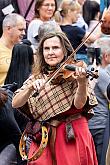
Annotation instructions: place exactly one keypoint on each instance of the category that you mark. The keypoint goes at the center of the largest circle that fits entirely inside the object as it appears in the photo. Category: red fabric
(78, 152)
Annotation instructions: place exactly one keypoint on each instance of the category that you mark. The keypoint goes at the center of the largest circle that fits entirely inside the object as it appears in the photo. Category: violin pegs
(87, 76)
(58, 65)
(92, 69)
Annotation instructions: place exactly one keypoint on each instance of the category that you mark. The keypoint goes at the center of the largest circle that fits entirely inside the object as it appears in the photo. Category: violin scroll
(92, 73)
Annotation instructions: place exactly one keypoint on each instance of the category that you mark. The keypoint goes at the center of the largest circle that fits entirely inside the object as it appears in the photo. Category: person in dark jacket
(3, 4)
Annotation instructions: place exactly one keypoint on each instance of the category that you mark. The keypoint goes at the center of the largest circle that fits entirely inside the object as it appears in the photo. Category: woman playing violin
(60, 105)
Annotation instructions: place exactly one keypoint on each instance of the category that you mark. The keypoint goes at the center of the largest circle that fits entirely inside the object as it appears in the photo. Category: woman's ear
(105, 57)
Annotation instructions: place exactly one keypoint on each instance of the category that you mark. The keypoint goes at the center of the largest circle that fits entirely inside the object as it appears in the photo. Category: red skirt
(80, 151)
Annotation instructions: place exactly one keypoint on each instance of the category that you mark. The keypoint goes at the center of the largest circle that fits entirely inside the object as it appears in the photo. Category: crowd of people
(53, 76)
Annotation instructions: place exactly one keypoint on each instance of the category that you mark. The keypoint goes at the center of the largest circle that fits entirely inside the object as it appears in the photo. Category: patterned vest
(55, 99)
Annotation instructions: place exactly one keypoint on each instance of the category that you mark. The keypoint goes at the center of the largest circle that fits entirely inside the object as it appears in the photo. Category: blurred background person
(19, 70)
(13, 8)
(44, 11)
(91, 15)
(81, 22)
(47, 27)
(21, 63)
(14, 26)
(26, 9)
(99, 124)
(69, 11)
(10, 132)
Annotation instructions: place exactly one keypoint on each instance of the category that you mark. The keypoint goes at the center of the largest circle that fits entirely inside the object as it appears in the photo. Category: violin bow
(69, 57)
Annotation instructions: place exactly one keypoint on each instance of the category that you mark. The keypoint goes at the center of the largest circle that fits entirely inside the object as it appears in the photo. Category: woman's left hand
(80, 75)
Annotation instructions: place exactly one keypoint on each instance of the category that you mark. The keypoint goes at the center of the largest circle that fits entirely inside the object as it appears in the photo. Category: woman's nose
(51, 51)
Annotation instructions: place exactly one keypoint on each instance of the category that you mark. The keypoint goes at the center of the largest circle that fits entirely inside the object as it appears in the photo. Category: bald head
(14, 26)
(104, 44)
(12, 20)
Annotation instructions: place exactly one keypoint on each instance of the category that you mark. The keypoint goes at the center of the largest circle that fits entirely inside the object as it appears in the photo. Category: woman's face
(53, 51)
(74, 16)
(81, 2)
(47, 9)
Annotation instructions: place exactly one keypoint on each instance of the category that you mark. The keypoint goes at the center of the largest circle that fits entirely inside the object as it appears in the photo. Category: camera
(93, 53)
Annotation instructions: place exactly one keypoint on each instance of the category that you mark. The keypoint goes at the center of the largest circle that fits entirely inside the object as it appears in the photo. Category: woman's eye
(46, 48)
(55, 47)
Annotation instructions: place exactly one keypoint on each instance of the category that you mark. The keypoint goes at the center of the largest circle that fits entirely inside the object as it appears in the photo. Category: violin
(67, 71)
(89, 72)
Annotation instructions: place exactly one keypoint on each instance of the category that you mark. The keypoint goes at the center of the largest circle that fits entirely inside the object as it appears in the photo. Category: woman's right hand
(38, 84)
(33, 84)
(25, 91)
